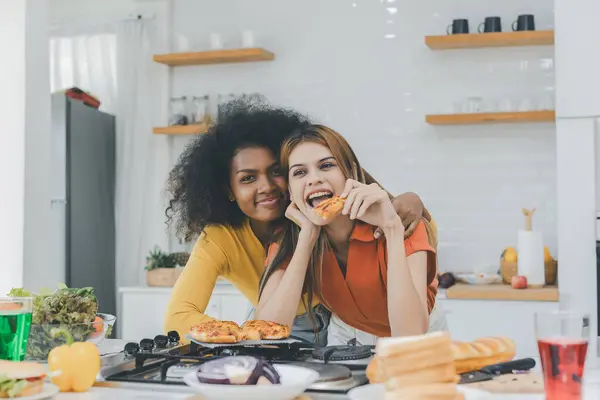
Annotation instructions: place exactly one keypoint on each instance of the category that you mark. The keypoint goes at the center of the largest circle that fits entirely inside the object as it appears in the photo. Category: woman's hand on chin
(371, 204)
(306, 227)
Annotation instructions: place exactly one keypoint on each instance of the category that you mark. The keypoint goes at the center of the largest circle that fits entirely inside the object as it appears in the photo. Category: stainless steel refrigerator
(83, 198)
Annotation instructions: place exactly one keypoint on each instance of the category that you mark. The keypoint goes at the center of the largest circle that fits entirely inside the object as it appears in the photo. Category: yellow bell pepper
(75, 365)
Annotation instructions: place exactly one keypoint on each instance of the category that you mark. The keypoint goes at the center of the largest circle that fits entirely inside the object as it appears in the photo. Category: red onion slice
(237, 370)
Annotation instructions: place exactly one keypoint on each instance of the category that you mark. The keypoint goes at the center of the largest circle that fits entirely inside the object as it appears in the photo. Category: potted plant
(163, 269)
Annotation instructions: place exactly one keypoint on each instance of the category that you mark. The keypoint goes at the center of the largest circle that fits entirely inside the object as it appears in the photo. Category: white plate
(294, 381)
(48, 392)
(478, 279)
(377, 392)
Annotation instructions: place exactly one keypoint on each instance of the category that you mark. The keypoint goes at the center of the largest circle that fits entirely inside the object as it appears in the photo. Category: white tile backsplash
(363, 68)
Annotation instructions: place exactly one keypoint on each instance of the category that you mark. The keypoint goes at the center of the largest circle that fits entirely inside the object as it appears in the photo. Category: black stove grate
(342, 353)
(153, 367)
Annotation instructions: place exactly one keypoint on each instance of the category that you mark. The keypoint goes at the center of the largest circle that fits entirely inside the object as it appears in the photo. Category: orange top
(360, 299)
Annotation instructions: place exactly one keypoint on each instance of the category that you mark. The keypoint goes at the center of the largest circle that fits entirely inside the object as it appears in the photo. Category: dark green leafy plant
(159, 259)
(66, 308)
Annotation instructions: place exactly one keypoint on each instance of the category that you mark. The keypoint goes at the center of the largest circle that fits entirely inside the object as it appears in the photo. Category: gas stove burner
(342, 353)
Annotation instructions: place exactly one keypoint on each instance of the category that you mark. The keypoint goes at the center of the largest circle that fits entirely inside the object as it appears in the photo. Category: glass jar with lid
(178, 111)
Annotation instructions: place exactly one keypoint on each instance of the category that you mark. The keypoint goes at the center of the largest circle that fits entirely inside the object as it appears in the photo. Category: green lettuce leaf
(19, 292)
(12, 386)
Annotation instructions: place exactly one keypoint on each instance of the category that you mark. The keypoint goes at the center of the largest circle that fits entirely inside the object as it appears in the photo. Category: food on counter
(264, 330)
(230, 332)
(78, 363)
(547, 255)
(509, 255)
(238, 370)
(73, 309)
(20, 379)
(518, 282)
(418, 367)
(330, 207)
(467, 356)
(472, 356)
(446, 280)
(217, 332)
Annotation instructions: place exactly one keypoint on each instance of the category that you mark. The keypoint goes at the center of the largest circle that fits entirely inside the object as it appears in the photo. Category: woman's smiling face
(257, 184)
(314, 176)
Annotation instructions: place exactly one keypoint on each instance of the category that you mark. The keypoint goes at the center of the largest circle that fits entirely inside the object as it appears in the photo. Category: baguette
(468, 356)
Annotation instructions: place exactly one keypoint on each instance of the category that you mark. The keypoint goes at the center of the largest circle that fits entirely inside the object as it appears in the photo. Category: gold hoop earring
(231, 198)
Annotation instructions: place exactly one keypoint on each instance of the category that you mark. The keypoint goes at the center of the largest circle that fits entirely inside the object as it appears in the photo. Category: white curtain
(86, 60)
(113, 62)
(136, 194)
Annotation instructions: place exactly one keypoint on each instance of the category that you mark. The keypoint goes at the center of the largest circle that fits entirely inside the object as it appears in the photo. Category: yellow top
(234, 254)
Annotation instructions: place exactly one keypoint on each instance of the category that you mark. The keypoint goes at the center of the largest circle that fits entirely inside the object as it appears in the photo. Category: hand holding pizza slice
(330, 208)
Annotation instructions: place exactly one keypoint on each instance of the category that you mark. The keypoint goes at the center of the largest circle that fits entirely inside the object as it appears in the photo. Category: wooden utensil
(528, 218)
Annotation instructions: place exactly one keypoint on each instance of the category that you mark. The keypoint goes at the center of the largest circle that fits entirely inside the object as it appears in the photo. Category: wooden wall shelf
(495, 39)
(195, 129)
(214, 57)
(490, 118)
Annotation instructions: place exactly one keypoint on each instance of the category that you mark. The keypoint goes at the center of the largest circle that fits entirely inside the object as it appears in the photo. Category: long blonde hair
(288, 237)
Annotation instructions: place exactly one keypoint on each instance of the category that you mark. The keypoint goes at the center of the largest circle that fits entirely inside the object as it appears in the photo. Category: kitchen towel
(531, 257)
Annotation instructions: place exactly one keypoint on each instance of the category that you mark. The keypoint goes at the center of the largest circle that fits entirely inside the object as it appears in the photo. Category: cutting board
(512, 383)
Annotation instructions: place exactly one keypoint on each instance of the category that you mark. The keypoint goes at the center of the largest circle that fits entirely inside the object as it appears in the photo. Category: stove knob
(132, 348)
(173, 337)
(146, 344)
(160, 341)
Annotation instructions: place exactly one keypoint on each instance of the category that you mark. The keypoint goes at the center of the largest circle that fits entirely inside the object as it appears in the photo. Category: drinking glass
(562, 338)
(15, 322)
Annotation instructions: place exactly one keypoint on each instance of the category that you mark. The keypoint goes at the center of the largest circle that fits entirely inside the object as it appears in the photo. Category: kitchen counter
(163, 289)
(464, 291)
(103, 391)
(126, 394)
(592, 392)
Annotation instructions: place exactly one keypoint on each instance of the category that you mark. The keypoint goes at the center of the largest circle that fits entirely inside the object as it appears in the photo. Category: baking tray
(242, 343)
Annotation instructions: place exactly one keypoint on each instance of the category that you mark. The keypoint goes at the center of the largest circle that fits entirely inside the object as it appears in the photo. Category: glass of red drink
(562, 338)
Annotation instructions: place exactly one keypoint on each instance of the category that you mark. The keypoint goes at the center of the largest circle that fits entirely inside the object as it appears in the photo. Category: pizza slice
(264, 330)
(330, 208)
(217, 332)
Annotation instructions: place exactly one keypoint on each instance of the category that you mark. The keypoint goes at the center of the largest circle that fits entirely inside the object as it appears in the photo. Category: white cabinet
(472, 319)
(143, 309)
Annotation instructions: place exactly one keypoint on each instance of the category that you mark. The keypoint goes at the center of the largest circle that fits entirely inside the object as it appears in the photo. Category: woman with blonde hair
(374, 287)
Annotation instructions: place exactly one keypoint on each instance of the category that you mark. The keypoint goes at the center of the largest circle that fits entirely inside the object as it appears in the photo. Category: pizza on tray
(228, 332)
(264, 330)
(217, 332)
(330, 207)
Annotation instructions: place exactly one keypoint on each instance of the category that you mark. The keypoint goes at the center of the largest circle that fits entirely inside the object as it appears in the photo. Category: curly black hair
(198, 185)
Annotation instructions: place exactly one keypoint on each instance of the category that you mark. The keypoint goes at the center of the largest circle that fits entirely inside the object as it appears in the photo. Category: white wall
(84, 11)
(578, 112)
(333, 60)
(25, 150)
(37, 241)
(12, 151)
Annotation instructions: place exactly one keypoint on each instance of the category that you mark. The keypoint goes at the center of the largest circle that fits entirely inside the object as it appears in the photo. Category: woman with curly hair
(227, 187)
